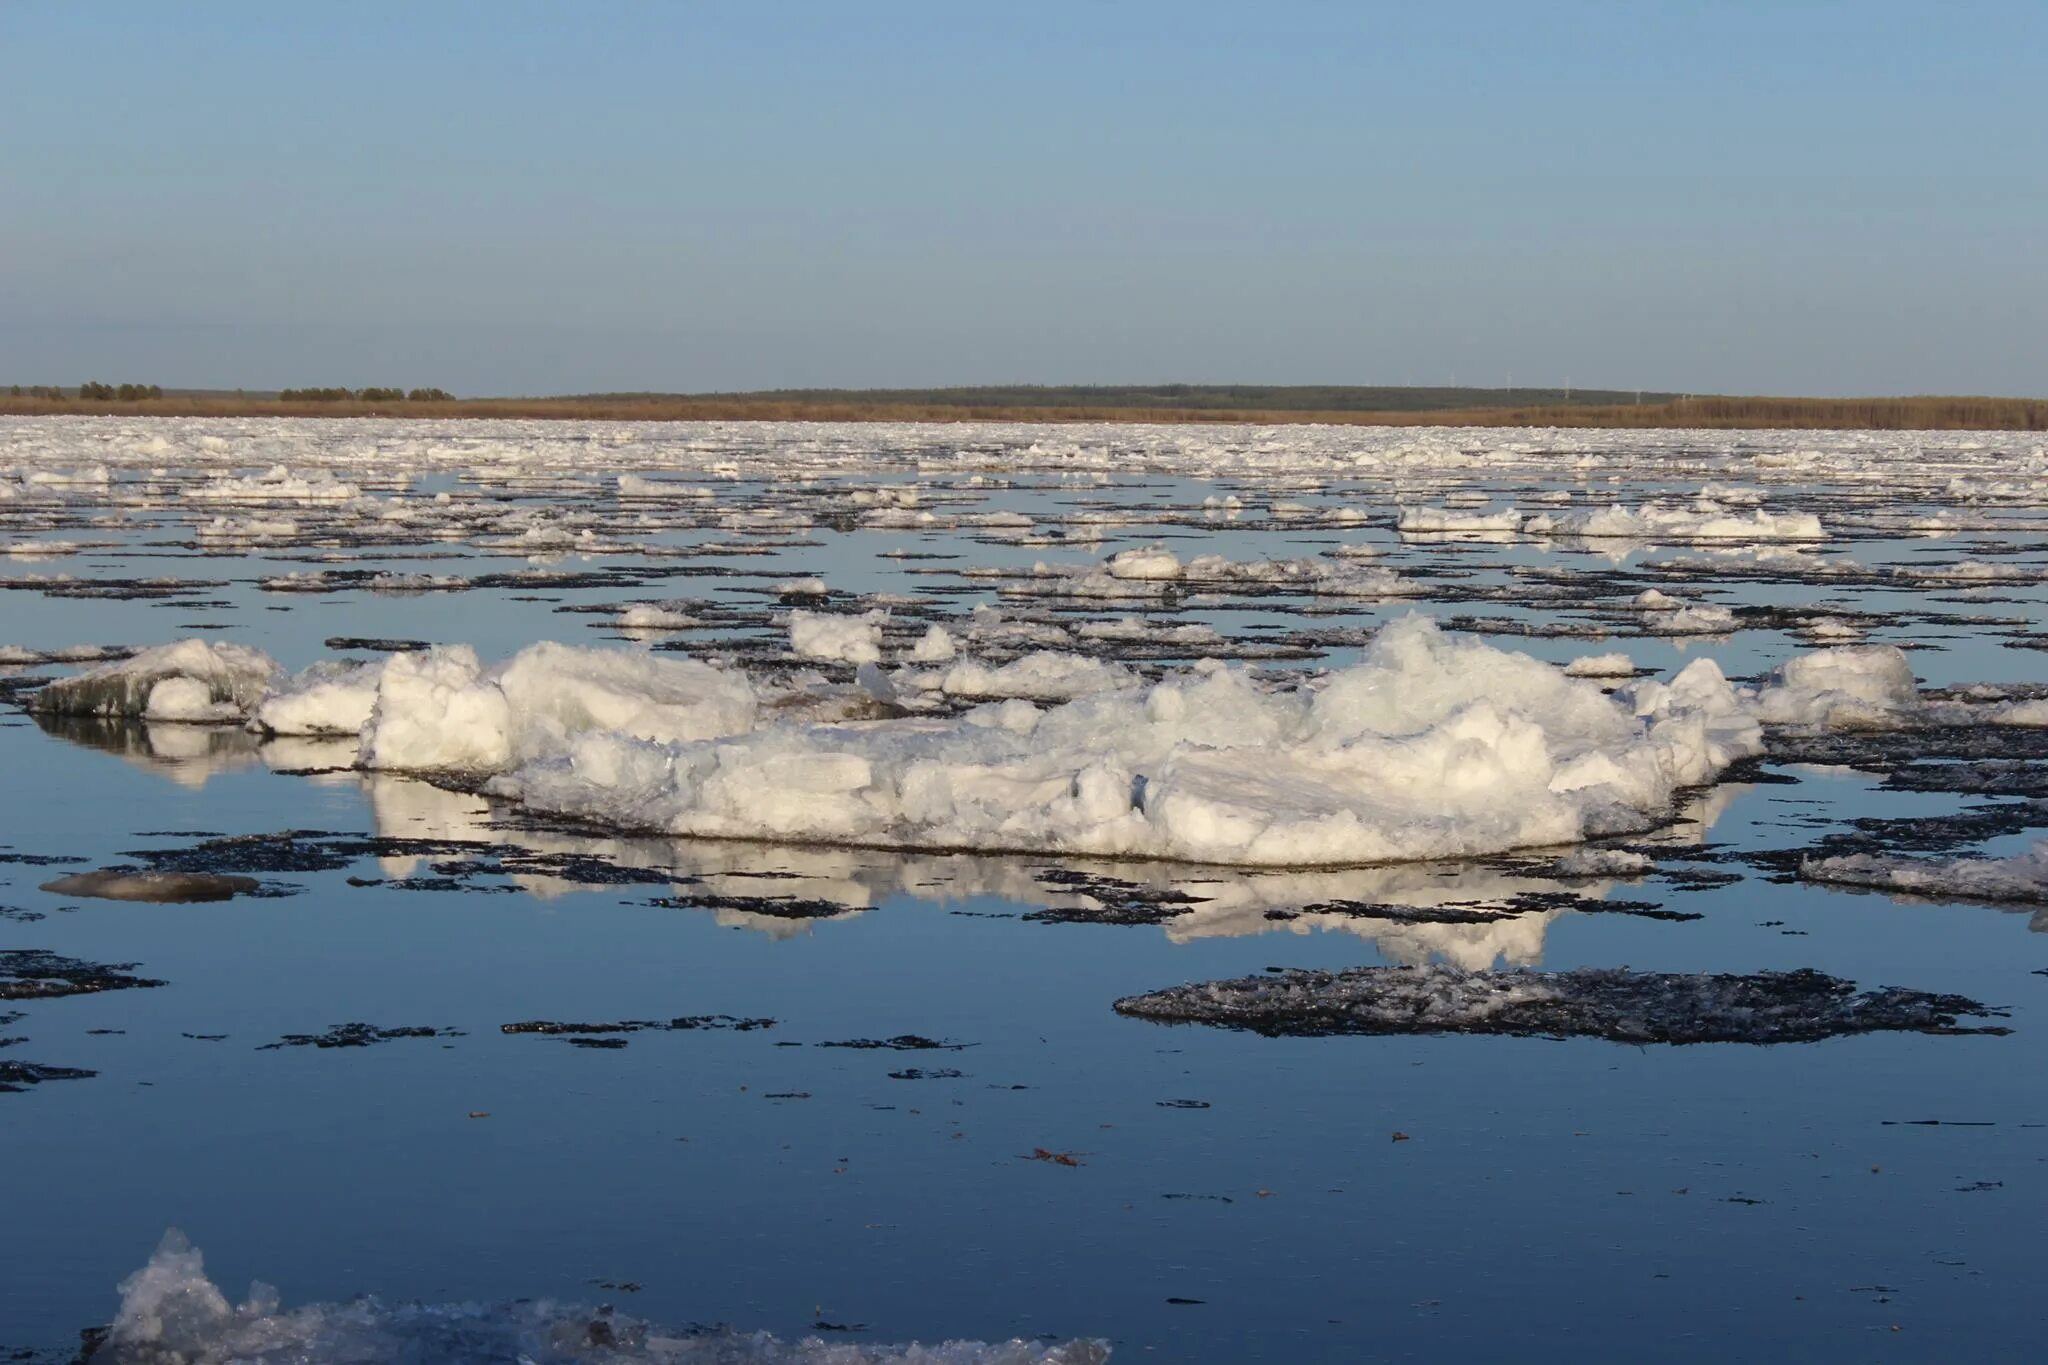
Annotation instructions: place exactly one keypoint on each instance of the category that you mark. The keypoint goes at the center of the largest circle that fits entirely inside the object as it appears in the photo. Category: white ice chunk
(841, 639)
(1861, 686)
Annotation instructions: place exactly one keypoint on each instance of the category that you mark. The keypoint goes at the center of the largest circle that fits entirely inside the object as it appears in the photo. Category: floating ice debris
(1656, 521)
(172, 1314)
(1600, 666)
(655, 616)
(1436, 521)
(278, 484)
(1604, 862)
(1592, 1002)
(164, 888)
(2022, 878)
(1707, 619)
(191, 681)
(1042, 675)
(20, 655)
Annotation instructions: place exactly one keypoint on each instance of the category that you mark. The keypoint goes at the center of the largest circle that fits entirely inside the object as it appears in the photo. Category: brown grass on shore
(1863, 414)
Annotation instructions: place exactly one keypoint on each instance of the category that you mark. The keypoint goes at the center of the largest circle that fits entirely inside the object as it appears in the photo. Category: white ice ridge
(1705, 520)
(1657, 521)
(1152, 570)
(172, 1314)
(1431, 746)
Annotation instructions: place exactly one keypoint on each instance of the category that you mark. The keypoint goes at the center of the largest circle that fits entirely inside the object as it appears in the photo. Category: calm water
(1337, 1198)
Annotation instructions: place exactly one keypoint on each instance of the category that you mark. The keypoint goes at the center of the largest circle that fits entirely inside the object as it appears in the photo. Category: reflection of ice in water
(1239, 909)
(1697, 815)
(1232, 904)
(405, 808)
(189, 755)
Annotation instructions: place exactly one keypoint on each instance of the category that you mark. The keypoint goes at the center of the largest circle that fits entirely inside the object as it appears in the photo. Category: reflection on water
(189, 755)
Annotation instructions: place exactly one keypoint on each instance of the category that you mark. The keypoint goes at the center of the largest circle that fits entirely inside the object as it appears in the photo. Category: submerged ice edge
(171, 1313)
(1433, 745)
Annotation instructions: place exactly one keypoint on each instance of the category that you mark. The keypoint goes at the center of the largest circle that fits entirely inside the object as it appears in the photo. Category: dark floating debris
(16, 1077)
(1051, 1157)
(1116, 901)
(34, 974)
(454, 864)
(1590, 1002)
(681, 1024)
(376, 644)
(902, 1042)
(357, 1035)
(779, 907)
(1182, 1104)
(162, 888)
(944, 1073)
(1940, 1123)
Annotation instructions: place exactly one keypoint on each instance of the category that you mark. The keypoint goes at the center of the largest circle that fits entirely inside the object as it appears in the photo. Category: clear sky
(506, 197)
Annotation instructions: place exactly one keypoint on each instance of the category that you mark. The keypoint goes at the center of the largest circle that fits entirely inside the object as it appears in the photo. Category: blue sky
(541, 198)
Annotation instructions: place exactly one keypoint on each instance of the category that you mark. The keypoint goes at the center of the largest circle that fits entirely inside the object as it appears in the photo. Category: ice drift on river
(172, 1314)
(1432, 746)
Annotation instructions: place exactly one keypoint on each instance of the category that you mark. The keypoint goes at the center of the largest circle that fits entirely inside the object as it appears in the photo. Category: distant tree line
(369, 395)
(125, 393)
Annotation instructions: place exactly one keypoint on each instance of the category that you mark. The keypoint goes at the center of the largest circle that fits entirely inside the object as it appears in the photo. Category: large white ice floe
(1433, 745)
(191, 680)
(172, 1314)
(1153, 571)
(277, 484)
(1657, 521)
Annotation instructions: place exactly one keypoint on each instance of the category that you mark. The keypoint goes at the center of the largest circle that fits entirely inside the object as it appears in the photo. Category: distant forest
(1176, 397)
